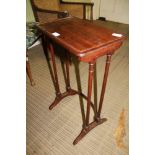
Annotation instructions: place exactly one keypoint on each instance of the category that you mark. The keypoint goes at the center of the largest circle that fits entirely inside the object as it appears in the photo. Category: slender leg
(104, 85)
(48, 59)
(63, 70)
(90, 79)
(95, 90)
(59, 95)
(28, 70)
(78, 79)
(68, 87)
(55, 70)
(97, 120)
(93, 124)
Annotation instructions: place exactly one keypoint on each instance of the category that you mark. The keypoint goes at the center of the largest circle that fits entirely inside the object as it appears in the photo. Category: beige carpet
(52, 132)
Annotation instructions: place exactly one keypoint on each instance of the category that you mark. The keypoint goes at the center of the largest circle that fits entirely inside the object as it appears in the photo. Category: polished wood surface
(81, 37)
(87, 42)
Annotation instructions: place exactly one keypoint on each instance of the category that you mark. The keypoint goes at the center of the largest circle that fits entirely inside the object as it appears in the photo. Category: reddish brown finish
(89, 37)
(95, 90)
(87, 42)
(55, 70)
(69, 92)
(108, 49)
(91, 126)
(90, 79)
(68, 87)
(104, 85)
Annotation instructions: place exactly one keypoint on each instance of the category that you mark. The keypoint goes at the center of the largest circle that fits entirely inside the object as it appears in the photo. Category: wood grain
(81, 37)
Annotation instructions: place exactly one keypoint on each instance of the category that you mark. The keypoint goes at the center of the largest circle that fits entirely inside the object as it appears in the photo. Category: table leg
(59, 95)
(92, 125)
(95, 91)
(97, 120)
(55, 70)
(68, 87)
(103, 86)
(90, 79)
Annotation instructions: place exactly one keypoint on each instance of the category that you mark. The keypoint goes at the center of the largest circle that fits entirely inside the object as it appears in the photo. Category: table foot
(70, 92)
(88, 128)
(60, 97)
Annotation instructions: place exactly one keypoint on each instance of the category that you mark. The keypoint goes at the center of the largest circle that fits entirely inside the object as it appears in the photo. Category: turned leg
(55, 71)
(104, 86)
(95, 91)
(78, 79)
(47, 56)
(90, 79)
(59, 95)
(68, 87)
(97, 120)
(28, 70)
(88, 126)
(57, 88)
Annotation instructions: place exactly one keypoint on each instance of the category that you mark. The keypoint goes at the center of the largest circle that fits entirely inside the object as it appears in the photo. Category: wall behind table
(115, 10)
(29, 12)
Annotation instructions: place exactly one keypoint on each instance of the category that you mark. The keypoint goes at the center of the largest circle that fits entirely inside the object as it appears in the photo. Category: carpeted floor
(52, 132)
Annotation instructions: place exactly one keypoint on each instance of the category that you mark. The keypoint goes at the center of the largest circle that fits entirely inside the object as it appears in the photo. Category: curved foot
(88, 128)
(55, 102)
(60, 97)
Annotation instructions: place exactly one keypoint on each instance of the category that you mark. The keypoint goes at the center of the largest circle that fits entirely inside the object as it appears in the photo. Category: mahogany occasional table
(87, 42)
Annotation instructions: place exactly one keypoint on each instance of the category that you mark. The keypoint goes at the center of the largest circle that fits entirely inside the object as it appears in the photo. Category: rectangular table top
(80, 36)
